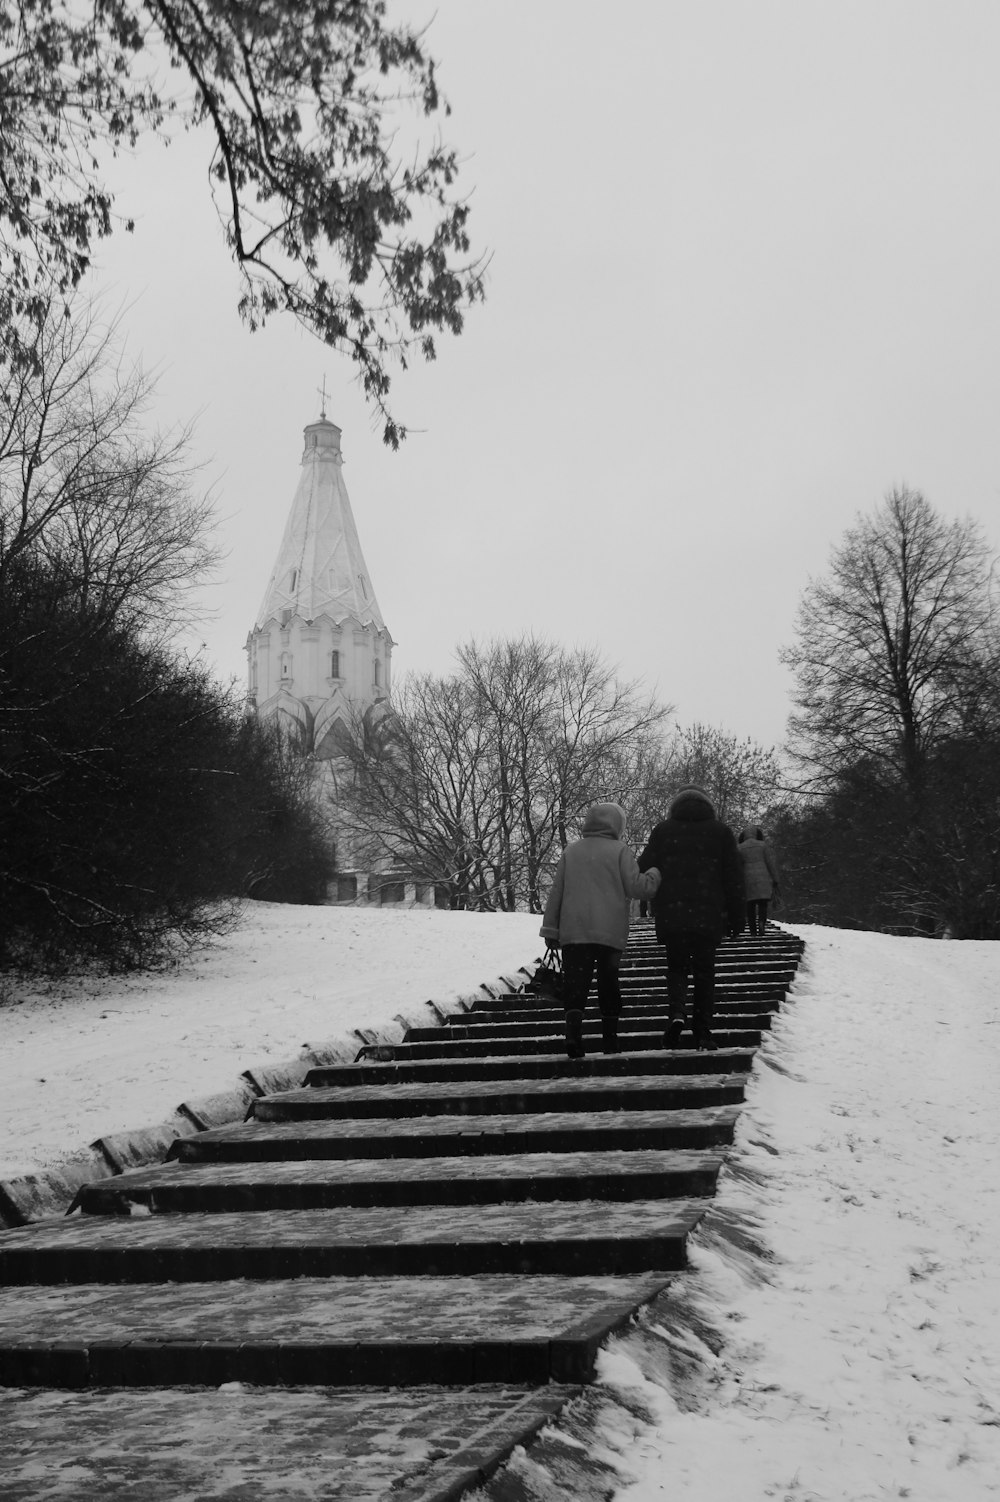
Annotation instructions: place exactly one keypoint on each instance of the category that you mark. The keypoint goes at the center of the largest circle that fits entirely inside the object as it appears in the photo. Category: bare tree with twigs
(110, 508)
(331, 205)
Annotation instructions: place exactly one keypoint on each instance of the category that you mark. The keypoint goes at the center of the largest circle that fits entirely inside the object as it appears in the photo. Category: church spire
(320, 567)
(319, 650)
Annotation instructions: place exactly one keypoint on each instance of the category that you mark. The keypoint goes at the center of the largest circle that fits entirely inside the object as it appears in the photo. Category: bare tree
(109, 509)
(891, 643)
(477, 780)
(513, 684)
(897, 725)
(420, 795)
(743, 778)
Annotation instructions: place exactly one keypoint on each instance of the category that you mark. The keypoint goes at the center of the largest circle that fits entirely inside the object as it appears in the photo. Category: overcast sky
(744, 279)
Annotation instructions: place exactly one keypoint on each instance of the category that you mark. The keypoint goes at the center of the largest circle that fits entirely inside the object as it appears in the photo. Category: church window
(286, 664)
(378, 673)
(294, 581)
(364, 586)
(335, 664)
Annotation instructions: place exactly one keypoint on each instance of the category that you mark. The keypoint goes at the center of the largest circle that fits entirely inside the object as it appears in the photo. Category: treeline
(884, 807)
(475, 781)
(137, 796)
(895, 738)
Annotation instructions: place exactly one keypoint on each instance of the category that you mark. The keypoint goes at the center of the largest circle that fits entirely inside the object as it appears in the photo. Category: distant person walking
(760, 876)
(699, 899)
(587, 917)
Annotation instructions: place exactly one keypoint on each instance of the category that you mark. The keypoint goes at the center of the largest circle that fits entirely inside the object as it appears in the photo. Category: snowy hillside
(80, 1060)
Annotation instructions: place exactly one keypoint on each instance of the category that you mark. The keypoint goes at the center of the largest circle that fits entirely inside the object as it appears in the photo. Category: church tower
(319, 652)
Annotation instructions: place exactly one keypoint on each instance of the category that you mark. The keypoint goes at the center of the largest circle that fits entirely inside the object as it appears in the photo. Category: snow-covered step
(527, 1025)
(499, 1047)
(158, 1444)
(649, 1012)
(464, 1136)
(727, 980)
(649, 1001)
(492, 1097)
(302, 1331)
(313, 1184)
(730, 974)
(381, 1066)
(645, 989)
(568, 1237)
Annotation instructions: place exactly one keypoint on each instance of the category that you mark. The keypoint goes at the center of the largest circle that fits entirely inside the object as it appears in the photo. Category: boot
(676, 1000)
(703, 1009)
(609, 1026)
(672, 1036)
(574, 1035)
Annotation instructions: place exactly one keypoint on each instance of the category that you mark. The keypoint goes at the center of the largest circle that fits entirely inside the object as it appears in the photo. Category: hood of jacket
(691, 803)
(604, 821)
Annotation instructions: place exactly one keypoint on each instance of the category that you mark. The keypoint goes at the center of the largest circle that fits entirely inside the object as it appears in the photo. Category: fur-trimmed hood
(691, 803)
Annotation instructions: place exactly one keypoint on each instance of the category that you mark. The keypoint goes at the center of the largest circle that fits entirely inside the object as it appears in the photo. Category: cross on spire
(322, 393)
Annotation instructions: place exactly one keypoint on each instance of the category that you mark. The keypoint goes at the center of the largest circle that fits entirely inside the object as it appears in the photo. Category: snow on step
(387, 1137)
(303, 1184)
(492, 1097)
(685, 1061)
(388, 1331)
(569, 1237)
(525, 1025)
(491, 1048)
(648, 1008)
(344, 1445)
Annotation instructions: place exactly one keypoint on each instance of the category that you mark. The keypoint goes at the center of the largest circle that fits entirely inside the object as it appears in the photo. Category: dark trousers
(691, 954)
(579, 963)
(757, 915)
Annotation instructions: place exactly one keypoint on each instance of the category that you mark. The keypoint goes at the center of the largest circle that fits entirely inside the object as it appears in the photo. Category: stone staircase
(469, 1209)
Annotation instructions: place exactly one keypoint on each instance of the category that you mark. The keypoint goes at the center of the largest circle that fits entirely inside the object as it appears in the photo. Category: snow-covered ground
(84, 1059)
(867, 1365)
(860, 1363)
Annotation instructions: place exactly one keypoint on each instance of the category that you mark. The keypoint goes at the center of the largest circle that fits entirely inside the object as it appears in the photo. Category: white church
(319, 654)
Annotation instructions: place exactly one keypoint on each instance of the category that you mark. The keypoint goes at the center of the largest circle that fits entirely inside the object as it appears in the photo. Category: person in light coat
(760, 876)
(587, 917)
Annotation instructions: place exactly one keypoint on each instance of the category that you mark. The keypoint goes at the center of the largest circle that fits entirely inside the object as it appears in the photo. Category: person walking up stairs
(699, 897)
(587, 917)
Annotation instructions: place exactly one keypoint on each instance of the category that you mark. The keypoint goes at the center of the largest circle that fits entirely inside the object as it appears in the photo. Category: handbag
(548, 980)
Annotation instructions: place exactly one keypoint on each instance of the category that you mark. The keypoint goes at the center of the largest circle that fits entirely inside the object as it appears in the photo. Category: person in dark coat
(700, 899)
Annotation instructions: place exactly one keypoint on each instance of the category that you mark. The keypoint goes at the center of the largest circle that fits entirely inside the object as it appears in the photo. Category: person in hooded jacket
(587, 917)
(699, 899)
(760, 876)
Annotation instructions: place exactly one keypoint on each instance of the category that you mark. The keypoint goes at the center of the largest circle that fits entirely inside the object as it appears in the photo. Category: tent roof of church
(320, 568)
